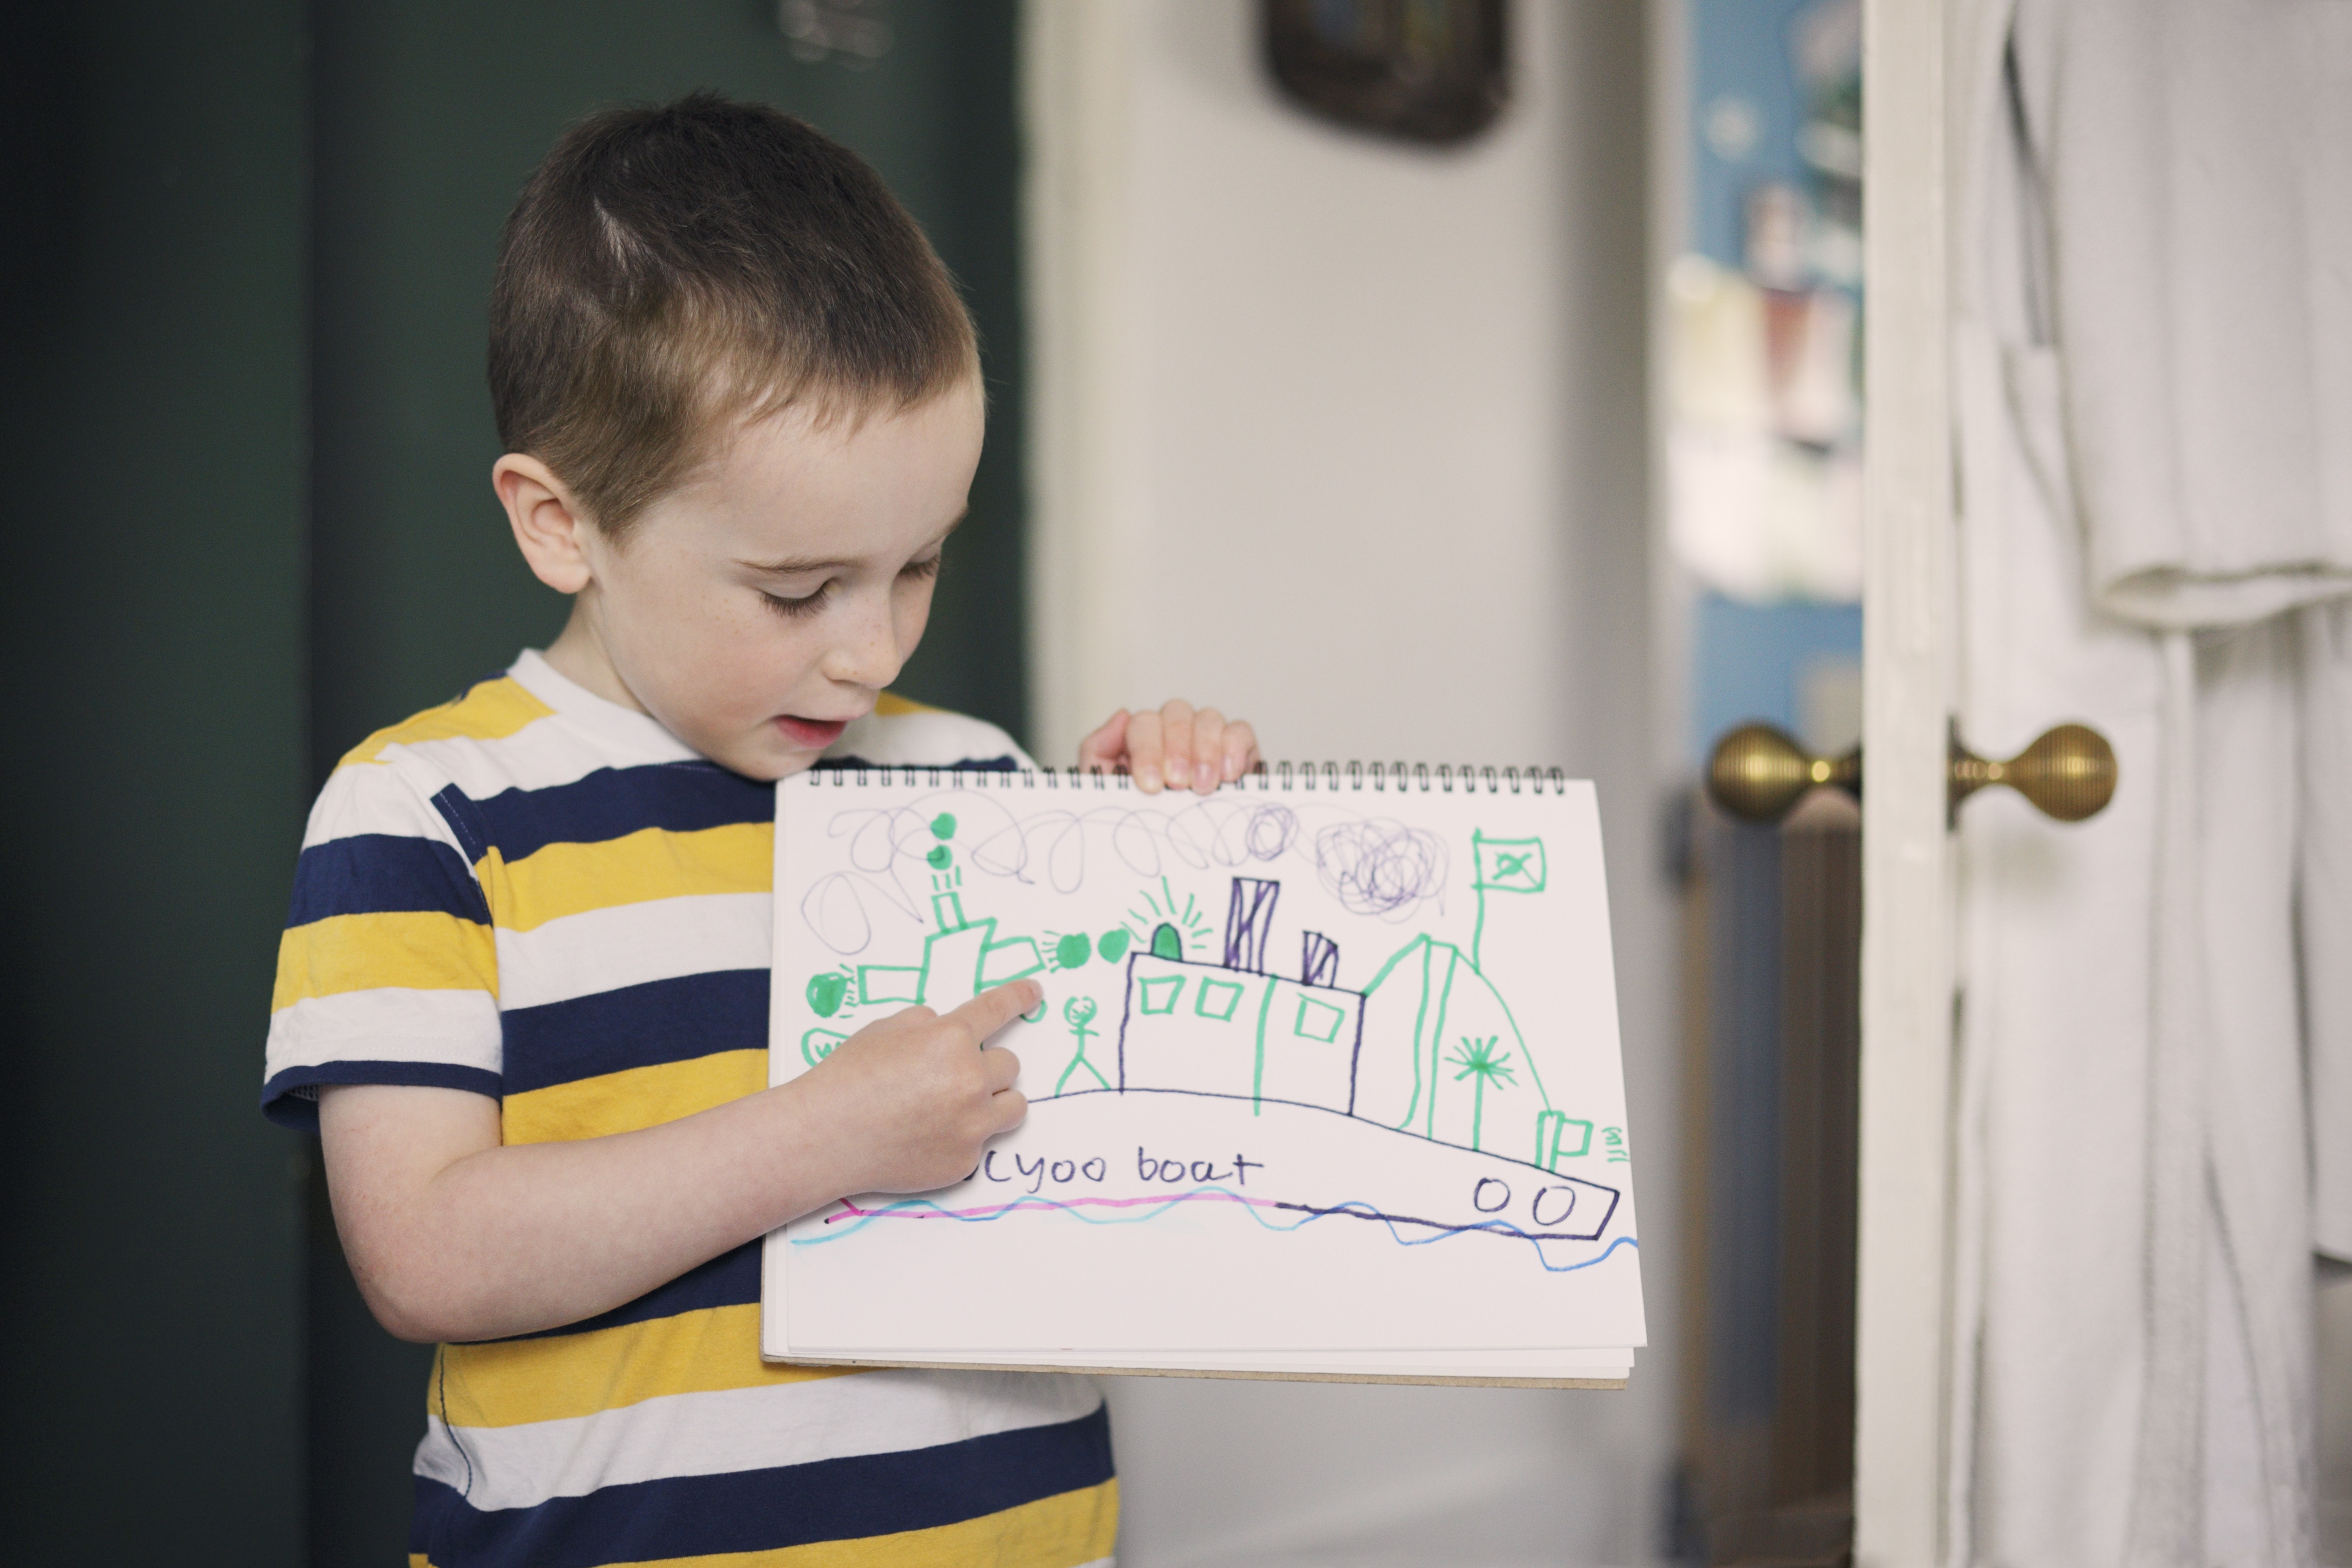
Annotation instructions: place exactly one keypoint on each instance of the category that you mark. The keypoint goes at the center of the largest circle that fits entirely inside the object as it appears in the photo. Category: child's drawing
(1294, 1010)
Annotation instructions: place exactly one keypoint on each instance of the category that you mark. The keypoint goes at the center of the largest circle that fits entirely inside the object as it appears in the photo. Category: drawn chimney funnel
(1249, 920)
(1319, 963)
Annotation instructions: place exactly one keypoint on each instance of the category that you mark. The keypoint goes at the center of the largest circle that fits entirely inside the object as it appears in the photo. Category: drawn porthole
(1218, 999)
(1159, 994)
(1317, 1020)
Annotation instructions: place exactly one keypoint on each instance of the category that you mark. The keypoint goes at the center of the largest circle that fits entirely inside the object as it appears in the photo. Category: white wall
(1350, 438)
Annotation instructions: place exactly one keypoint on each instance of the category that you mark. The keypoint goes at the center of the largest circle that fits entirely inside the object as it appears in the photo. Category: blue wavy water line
(1354, 1205)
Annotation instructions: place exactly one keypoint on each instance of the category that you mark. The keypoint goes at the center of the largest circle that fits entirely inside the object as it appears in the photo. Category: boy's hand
(1180, 747)
(917, 1093)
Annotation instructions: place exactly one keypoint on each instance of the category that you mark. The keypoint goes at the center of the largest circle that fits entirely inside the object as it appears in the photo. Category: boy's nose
(866, 651)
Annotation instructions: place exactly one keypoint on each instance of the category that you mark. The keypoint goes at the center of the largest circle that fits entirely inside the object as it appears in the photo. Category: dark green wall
(429, 116)
(151, 629)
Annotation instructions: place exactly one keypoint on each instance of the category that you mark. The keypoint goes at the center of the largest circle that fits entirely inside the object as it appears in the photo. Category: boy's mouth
(809, 734)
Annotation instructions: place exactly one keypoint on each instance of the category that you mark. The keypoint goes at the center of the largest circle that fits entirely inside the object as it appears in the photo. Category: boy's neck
(578, 655)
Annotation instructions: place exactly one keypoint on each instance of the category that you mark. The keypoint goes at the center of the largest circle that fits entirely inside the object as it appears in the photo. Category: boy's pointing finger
(991, 1010)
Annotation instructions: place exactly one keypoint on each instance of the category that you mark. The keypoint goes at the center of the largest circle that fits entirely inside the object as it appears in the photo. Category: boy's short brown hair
(670, 270)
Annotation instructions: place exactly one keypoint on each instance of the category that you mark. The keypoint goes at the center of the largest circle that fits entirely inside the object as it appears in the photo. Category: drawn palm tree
(1481, 1062)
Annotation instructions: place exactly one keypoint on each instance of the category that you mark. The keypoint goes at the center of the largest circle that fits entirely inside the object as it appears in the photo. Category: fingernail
(1204, 776)
(1147, 779)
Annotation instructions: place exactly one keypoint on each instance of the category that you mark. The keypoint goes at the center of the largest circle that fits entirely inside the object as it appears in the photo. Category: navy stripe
(301, 1112)
(757, 1510)
(383, 873)
(611, 802)
(730, 1279)
(637, 1026)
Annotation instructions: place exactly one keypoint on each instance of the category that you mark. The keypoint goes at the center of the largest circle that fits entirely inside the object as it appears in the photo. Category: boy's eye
(807, 604)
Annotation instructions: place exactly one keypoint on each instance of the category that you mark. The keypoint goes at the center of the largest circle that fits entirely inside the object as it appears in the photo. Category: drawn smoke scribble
(1388, 869)
(1380, 867)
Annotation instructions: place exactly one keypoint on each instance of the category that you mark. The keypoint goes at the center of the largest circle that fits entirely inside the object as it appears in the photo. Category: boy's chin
(768, 770)
(764, 756)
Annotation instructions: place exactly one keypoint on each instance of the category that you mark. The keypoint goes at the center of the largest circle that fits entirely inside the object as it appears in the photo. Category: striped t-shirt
(538, 895)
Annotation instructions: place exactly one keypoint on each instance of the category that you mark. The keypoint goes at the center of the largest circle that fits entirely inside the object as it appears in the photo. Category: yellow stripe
(522, 1380)
(633, 1097)
(652, 863)
(1052, 1532)
(489, 711)
(416, 950)
(890, 705)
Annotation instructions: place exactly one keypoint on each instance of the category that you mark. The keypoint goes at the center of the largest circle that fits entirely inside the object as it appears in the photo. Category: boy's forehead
(803, 480)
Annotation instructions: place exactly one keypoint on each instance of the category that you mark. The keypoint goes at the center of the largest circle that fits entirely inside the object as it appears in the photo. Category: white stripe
(926, 740)
(629, 944)
(742, 1429)
(394, 1023)
(377, 800)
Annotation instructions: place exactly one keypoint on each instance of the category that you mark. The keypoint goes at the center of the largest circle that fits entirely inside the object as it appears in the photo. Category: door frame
(1901, 1445)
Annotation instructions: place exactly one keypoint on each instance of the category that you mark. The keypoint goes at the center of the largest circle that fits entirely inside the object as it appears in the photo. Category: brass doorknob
(2068, 773)
(1758, 774)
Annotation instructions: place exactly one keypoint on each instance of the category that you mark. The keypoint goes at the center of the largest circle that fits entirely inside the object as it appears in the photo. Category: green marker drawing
(1072, 950)
(1113, 945)
(1079, 1011)
(827, 991)
(1258, 1067)
(1502, 866)
(1479, 1060)
(1165, 942)
(1161, 912)
(940, 858)
(943, 826)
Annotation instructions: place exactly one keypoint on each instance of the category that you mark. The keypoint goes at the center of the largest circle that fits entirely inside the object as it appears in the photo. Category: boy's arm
(454, 1236)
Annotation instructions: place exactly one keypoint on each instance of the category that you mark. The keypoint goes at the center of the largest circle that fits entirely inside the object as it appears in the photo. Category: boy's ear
(547, 521)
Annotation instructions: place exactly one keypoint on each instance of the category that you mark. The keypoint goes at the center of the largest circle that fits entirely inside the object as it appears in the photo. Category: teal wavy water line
(924, 1208)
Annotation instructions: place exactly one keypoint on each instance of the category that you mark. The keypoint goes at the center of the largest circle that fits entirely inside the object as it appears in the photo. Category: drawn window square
(890, 983)
(1159, 993)
(1317, 1020)
(1217, 999)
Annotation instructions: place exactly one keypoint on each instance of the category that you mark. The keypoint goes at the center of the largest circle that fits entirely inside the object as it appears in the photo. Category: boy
(523, 990)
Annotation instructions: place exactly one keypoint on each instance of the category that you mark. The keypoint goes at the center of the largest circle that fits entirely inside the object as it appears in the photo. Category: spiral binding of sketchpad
(1289, 778)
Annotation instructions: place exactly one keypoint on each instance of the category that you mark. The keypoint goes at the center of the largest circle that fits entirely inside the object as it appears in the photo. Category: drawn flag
(1509, 865)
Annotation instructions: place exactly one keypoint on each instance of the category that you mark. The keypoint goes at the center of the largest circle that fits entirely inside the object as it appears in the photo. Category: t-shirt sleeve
(387, 972)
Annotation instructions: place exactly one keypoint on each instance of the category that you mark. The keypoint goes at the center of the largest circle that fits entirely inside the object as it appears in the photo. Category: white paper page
(1615, 1365)
(1326, 1069)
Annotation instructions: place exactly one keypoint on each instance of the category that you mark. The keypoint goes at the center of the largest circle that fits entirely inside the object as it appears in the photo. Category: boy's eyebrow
(793, 565)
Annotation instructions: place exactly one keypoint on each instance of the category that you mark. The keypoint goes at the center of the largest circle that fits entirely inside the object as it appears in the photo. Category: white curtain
(2152, 206)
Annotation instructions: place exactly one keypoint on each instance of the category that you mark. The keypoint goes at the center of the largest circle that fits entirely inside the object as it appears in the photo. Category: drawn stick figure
(1079, 1011)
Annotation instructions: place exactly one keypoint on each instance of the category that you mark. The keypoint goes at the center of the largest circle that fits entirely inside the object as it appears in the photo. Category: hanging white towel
(2153, 353)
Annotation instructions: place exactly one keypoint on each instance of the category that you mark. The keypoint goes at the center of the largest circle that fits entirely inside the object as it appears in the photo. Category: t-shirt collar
(640, 734)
